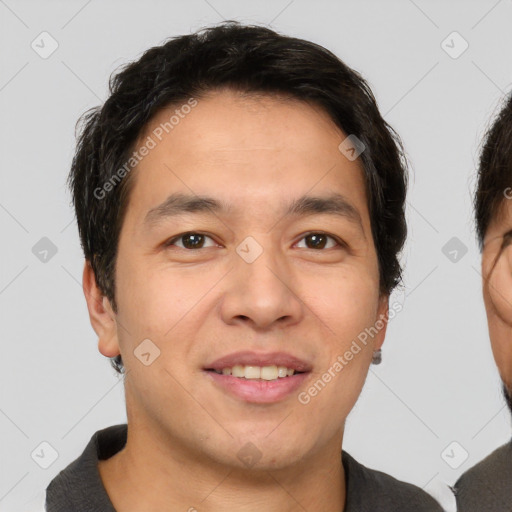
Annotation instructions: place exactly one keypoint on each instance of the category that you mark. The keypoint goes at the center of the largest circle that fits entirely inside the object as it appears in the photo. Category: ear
(498, 286)
(381, 322)
(497, 291)
(101, 314)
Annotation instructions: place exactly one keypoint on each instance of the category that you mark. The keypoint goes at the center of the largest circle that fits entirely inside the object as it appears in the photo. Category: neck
(153, 474)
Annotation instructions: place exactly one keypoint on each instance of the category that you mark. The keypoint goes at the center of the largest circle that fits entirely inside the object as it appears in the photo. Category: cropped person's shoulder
(369, 490)
(488, 484)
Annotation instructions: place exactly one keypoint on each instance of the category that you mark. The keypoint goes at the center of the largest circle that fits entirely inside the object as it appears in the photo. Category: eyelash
(340, 242)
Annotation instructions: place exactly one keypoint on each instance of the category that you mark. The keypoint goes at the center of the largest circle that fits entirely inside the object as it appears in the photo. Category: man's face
(250, 279)
(497, 291)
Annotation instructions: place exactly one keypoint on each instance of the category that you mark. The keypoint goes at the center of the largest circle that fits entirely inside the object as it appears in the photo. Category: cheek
(154, 299)
(501, 342)
(346, 303)
(347, 315)
(161, 307)
(498, 303)
(500, 295)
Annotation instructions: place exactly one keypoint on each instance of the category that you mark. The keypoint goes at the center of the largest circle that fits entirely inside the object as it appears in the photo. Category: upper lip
(250, 358)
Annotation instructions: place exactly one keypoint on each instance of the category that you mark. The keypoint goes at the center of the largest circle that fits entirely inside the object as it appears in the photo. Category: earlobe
(101, 315)
(499, 285)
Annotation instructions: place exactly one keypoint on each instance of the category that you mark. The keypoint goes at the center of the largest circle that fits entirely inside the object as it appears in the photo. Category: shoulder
(79, 486)
(369, 489)
(487, 485)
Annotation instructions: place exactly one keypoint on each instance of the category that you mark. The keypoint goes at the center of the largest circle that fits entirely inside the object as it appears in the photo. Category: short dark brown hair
(494, 170)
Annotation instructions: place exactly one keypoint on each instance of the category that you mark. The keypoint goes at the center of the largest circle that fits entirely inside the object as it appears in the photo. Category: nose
(262, 294)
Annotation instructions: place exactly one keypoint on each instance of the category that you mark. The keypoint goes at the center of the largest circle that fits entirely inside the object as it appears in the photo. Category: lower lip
(259, 391)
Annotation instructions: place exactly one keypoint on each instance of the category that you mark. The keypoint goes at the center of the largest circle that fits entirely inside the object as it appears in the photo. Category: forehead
(247, 151)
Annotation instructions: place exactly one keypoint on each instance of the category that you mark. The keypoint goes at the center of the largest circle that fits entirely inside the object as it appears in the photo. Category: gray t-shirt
(488, 484)
(79, 487)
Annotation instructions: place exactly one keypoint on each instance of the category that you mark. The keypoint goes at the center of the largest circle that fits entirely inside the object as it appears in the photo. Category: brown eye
(319, 240)
(189, 241)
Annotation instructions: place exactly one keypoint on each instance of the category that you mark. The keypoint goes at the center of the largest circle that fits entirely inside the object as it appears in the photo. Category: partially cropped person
(488, 485)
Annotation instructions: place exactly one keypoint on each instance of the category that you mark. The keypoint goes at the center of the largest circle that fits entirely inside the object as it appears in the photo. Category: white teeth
(238, 371)
(258, 372)
(269, 373)
(281, 371)
(252, 372)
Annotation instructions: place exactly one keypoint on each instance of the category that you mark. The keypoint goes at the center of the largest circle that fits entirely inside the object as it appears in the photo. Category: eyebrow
(178, 204)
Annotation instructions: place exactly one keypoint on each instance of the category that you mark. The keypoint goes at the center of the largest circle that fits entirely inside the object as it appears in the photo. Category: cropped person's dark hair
(494, 170)
(250, 59)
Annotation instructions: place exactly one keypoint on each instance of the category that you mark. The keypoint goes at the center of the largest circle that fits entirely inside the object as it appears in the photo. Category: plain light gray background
(437, 383)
